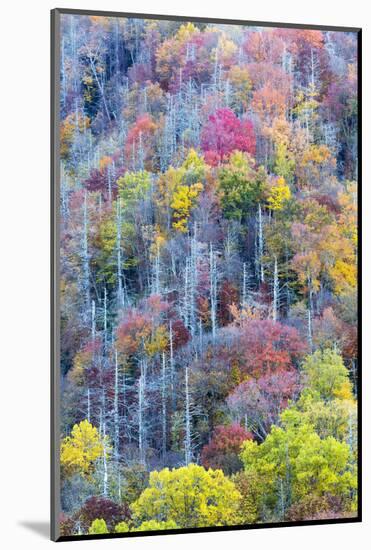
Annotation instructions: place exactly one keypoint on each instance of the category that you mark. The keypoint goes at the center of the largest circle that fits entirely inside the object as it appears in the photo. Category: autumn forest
(208, 275)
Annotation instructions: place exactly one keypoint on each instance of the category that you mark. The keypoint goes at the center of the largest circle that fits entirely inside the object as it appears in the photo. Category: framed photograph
(205, 274)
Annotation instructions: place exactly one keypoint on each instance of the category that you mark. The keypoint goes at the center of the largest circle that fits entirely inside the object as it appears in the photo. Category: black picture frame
(54, 251)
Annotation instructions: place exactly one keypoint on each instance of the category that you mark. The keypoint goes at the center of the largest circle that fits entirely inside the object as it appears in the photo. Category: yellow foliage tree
(158, 342)
(81, 361)
(241, 87)
(158, 241)
(153, 525)
(104, 162)
(344, 276)
(325, 373)
(278, 194)
(69, 127)
(186, 32)
(184, 200)
(285, 162)
(189, 496)
(225, 51)
(81, 449)
(347, 221)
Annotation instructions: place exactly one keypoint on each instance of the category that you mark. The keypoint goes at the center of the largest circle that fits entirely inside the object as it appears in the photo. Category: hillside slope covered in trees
(208, 274)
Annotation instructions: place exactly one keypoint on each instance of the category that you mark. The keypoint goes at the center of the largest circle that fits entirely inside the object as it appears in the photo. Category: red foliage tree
(269, 346)
(131, 332)
(224, 133)
(260, 47)
(260, 402)
(313, 507)
(223, 450)
(180, 333)
(97, 181)
(66, 525)
(104, 180)
(228, 295)
(330, 331)
(101, 508)
(141, 140)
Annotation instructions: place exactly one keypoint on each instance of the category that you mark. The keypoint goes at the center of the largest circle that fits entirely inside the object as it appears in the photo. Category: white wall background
(24, 270)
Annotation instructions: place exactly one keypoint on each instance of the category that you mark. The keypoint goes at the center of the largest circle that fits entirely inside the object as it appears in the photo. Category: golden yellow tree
(183, 201)
(278, 194)
(81, 449)
(189, 496)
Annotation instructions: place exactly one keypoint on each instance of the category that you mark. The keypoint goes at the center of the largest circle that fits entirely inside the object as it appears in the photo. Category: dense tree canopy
(190, 496)
(208, 274)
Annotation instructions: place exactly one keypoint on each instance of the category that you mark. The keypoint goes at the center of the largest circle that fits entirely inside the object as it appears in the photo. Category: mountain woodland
(208, 274)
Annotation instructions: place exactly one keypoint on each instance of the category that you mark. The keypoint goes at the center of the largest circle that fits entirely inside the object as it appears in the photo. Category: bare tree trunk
(275, 291)
(193, 282)
(88, 406)
(124, 420)
(172, 373)
(120, 295)
(200, 335)
(103, 433)
(105, 319)
(163, 398)
(86, 274)
(93, 339)
(100, 85)
(156, 287)
(213, 291)
(116, 411)
(186, 295)
(310, 314)
(188, 437)
(245, 285)
(93, 325)
(260, 243)
(141, 414)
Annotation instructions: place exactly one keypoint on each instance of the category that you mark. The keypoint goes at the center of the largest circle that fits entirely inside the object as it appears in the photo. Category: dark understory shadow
(42, 528)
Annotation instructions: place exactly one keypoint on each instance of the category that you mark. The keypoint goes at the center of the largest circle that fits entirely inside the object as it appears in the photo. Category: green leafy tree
(122, 527)
(154, 525)
(241, 187)
(98, 527)
(194, 167)
(337, 418)
(135, 480)
(285, 163)
(325, 372)
(133, 186)
(294, 462)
